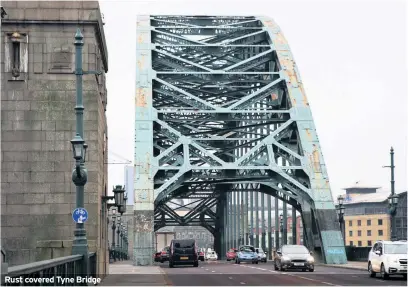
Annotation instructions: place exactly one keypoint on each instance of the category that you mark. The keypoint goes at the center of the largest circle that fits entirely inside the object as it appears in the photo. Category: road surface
(222, 273)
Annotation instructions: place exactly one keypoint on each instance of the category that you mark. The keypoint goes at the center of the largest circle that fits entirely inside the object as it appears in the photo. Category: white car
(388, 258)
(211, 256)
(261, 255)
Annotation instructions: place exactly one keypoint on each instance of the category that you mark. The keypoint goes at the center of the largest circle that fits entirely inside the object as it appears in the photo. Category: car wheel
(311, 270)
(405, 276)
(171, 265)
(256, 262)
(196, 264)
(228, 259)
(384, 274)
(274, 266)
(370, 270)
(238, 262)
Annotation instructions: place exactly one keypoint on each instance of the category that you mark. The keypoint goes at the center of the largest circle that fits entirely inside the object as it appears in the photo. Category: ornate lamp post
(393, 199)
(340, 212)
(113, 234)
(121, 241)
(79, 174)
(118, 238)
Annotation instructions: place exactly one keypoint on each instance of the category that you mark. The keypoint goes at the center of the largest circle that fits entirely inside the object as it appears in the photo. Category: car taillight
(164, 252)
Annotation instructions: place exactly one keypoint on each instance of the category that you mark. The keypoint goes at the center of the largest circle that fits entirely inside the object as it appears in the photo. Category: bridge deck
(123, 273)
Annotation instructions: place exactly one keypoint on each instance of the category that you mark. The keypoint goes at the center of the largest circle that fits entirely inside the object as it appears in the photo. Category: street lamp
(79, 174)
(340, 212)
(113, 234)
(392, 199)
(118, 238)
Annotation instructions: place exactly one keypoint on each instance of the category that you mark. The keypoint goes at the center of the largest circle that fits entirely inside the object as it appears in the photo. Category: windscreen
(395, 248)
(295, 249)
(184, 244)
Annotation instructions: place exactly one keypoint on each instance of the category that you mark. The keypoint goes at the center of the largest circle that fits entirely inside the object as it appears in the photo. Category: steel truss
(228, 113)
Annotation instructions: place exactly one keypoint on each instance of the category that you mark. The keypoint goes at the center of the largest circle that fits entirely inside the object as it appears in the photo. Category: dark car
(183, 252)
(164, 254)
(157, 256)
(294, 257)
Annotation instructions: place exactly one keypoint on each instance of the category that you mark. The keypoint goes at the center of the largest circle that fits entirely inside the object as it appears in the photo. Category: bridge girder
(220, 107)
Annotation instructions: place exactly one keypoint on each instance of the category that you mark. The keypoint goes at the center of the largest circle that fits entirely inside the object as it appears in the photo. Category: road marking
(242, 283)
(380, 280)
(328, 283)
(229, 277)
(353, 276)
(207, 269)
(213, 271)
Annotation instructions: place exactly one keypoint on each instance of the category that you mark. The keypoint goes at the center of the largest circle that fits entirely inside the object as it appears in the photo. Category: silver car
(294, 257)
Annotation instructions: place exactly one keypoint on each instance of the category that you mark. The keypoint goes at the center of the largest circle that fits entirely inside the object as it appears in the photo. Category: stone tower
(38, 122)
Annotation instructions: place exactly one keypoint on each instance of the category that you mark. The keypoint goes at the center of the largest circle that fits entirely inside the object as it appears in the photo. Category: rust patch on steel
(309, 135)
(141, 62)
(140, 39)
(315, 160)
(302, 90)
(140, 98)
(270, 24)
(280, 39)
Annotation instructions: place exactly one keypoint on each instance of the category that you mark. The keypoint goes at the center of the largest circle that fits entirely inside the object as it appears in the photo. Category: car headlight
(310, 259)
(285, 258)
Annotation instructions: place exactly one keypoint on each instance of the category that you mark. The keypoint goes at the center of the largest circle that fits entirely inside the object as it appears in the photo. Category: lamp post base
(80, 247)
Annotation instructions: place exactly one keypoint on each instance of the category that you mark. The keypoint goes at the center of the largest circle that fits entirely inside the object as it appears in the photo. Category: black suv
(183, 252)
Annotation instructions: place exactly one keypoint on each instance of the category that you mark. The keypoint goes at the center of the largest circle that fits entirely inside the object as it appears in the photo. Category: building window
(368, 232)
(380, 222)
(369, 243)
(359, 233)
(369, 222)
(358, 222)
(380, 232)
(360, 244)
(350, 223)
(350, 233)
(351, 243)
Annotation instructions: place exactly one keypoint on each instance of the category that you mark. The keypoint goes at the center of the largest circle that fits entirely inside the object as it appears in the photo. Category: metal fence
(61, 271)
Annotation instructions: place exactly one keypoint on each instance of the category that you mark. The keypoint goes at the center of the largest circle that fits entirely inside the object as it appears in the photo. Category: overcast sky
(352, 60)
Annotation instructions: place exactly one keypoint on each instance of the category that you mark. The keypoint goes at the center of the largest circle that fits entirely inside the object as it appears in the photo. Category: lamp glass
(340, 199)
(338, 211)
(116, 196)
(114, 211)
(390, 200)
(342, 208)
(395, 199)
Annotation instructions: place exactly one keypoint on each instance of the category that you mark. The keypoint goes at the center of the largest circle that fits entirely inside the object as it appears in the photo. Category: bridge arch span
(219, 100)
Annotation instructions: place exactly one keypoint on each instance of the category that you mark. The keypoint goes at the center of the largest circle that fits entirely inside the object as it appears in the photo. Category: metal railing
(61, 271)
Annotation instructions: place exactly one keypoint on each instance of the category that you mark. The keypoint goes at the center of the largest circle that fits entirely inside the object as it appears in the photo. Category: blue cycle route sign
(80, 215)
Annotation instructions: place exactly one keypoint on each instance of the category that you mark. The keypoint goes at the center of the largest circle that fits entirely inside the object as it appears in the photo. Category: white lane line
(207, 269)
(213, 271)
(380, 280)
(242, 283)
(328, 283)
(230, 278)
(353, 276)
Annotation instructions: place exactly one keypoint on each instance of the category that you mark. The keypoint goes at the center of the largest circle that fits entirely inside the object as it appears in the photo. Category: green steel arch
(221, 110)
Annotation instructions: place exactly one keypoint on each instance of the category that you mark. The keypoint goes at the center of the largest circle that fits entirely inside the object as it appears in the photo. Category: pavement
(223, 273)
(349, 265)
(123, 273)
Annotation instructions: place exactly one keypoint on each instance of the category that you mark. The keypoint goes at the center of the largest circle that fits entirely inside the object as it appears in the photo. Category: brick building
(38, 122)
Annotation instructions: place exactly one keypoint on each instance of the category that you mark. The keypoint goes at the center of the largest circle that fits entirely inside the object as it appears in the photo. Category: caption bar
(52, 280)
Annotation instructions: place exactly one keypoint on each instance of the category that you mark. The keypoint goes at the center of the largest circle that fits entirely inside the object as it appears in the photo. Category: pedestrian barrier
(63, 271)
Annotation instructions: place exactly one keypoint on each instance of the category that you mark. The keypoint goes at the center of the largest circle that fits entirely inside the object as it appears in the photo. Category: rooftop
(360, 184)
(380, 196)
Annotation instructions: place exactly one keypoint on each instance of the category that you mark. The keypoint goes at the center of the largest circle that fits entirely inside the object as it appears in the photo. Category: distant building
(367, 218)
(129, 179)
(401, 217)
